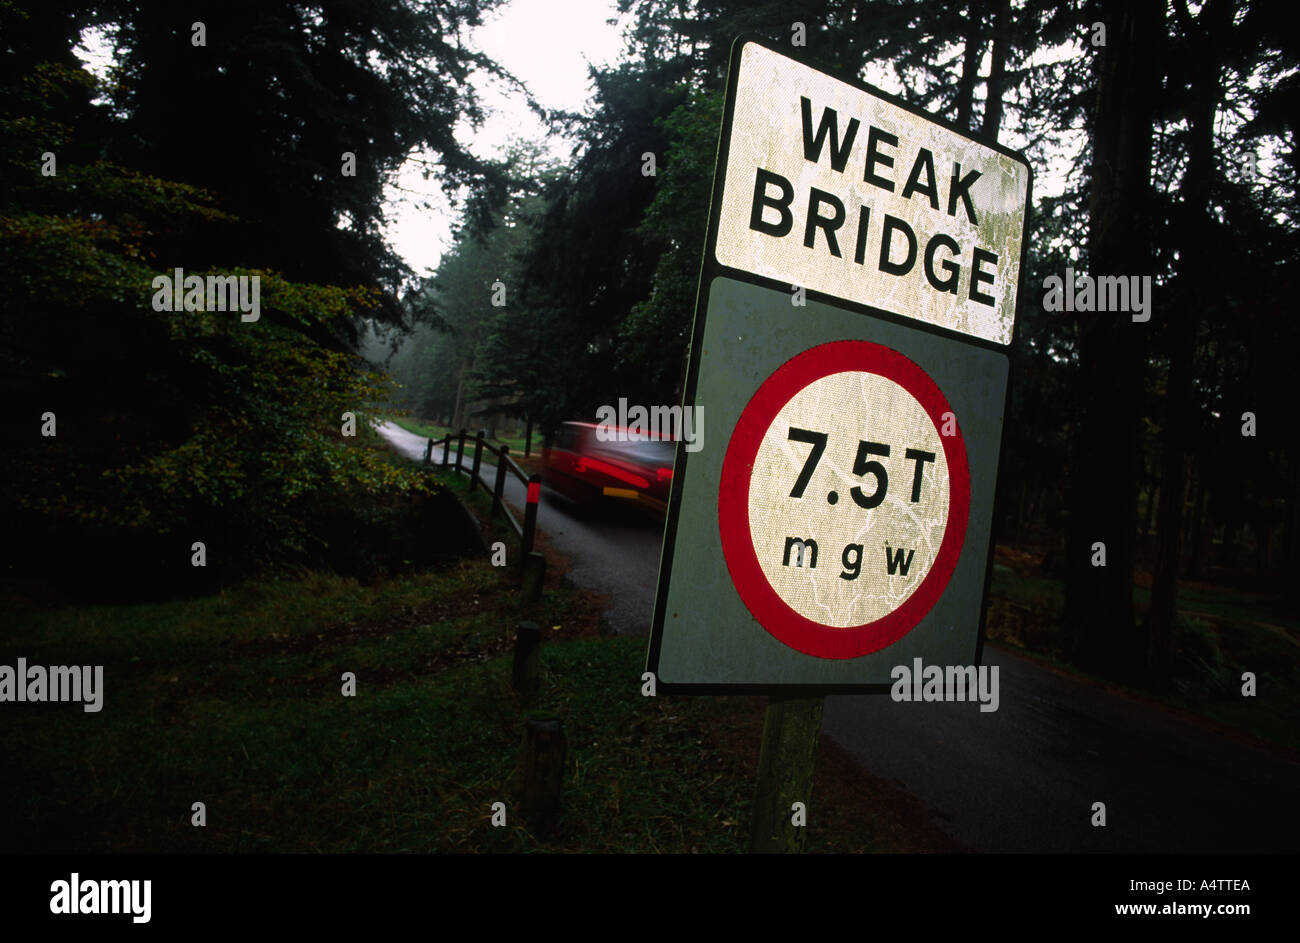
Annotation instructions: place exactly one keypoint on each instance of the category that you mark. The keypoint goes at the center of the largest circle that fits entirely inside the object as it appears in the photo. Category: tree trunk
(1196, 266)
(997, 69)
(1103, 501)
(1153, 495)
(457, 420)
(1201, 531)
(970, 63)
(1189, 515)
(1291, 537)
(458, 414)
(1228, 558)
(1263, 533)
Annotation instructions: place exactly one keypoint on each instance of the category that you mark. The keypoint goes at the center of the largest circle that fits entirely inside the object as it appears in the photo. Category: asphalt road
(611, 553)
(1021, 778)
(1025, 777)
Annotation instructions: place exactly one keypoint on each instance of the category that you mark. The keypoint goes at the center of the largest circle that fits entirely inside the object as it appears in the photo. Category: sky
(550, 51)
(545, 44)
(548, 46)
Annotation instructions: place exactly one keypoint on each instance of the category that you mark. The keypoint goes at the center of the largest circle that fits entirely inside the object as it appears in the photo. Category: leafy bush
(170, 426)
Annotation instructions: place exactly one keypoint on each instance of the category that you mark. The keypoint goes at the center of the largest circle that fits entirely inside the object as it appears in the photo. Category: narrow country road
(1019, 779)
(1025, 777)
(614, 555)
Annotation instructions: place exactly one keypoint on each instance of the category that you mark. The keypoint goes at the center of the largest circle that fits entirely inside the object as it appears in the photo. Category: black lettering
(876, 137)
(976, 275)
(812, 144)
(861, 466)
(960, 186)
(924, 161)
(804, 544)
(892, 224)
(948, 284)
(852, 568)
(761, 201)
(864, 217)
(896, 563)
(920, 457)
(818, 442)
(816, 221)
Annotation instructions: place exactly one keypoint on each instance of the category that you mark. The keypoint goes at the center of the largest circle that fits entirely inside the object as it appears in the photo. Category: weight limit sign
(844, 499)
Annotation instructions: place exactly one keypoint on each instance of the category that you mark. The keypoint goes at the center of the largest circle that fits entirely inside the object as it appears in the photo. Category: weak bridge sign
(856, 302)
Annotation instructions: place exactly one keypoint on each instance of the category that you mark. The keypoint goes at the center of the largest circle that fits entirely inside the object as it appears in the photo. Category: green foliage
(264, 113)
(612, 273)
(190, 423)
(660, 325)
(466, 353)
(235, 698)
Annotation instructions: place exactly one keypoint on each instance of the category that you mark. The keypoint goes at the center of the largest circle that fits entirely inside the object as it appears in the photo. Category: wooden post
(530, 516)
(478, 460)
(428, 451)
(785, 773)
(540, 773)
(446, 450)
(530, 587)
(499, 486)
(460, 451)
(525, 677)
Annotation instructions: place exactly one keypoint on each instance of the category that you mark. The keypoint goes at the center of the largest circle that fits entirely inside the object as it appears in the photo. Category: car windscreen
(658, 452)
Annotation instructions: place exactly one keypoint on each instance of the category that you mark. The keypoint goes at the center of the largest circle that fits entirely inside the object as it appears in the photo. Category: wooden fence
(525, 531)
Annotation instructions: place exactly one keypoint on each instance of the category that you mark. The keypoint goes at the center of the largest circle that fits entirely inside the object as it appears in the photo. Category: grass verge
(235, 700)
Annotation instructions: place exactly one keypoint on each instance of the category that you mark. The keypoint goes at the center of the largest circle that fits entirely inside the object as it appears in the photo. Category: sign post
(856, 303)
(791, 727)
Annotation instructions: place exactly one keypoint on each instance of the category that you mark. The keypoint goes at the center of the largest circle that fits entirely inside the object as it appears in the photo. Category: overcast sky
(548, 46)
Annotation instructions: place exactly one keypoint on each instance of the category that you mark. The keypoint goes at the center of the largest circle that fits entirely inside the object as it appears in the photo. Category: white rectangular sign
(834, 189)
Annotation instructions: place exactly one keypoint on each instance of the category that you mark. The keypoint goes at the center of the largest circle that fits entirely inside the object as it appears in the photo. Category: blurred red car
(636, 469)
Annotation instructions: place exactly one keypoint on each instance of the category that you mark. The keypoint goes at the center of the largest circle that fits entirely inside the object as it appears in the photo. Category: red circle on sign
(764, 603)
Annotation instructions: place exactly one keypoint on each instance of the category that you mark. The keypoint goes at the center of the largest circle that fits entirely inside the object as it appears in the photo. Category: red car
(636, 469)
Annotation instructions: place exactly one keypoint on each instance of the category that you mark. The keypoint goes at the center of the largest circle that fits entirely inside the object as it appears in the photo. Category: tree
(474, 339)
(595, 265)
(295, 116)
(1099, 598)
(134, 430)
(660, 325)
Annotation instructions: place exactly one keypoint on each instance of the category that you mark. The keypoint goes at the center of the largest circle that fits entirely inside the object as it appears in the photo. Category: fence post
(540, 773)
(524, 677)
(530, 586)
(530, 516)
(499, 486)
(446, 449)
(428, 452)
(478, 460)
(460, 451)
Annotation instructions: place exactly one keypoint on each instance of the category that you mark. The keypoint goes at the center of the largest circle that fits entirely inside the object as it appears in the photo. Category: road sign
(856, 301)
(905, 496)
